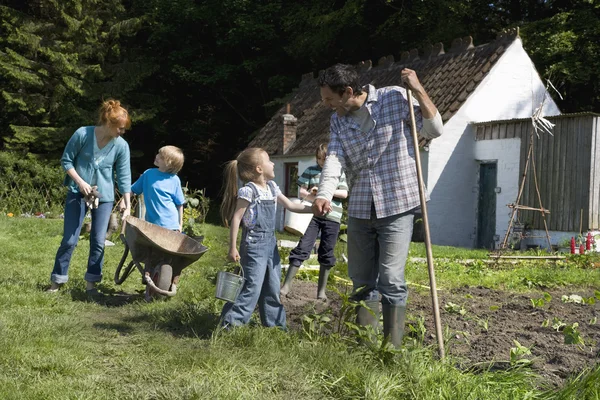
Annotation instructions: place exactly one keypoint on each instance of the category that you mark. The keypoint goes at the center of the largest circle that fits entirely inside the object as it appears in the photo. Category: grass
(60, 346)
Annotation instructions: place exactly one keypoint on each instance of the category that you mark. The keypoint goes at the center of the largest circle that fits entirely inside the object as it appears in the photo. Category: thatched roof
(449, 79)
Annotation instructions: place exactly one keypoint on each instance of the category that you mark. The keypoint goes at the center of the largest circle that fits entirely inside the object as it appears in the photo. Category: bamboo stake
(432, 285)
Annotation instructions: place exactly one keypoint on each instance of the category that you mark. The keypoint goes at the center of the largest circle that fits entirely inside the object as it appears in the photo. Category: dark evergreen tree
(58, 60)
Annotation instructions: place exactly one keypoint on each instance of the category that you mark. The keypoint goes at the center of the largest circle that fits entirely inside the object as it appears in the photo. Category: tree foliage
(58, 58)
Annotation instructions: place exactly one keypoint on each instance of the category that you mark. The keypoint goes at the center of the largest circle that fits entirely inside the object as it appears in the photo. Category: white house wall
(512, 89)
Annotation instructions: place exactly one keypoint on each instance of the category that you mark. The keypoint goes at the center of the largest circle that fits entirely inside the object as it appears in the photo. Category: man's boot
(323, 276)
(287, 283)
(393, 323)
(370, 316)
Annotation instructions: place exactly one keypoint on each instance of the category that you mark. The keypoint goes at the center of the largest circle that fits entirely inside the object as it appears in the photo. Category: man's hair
(339, 77)
(173, 157)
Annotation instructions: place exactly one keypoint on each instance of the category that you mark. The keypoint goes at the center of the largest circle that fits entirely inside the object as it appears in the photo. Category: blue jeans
(75, 210)
(262, 270)
(377, 253)
(329, 234)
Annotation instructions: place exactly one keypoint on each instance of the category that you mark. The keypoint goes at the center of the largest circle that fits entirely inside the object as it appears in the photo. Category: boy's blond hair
(173, 157)
(321, 151)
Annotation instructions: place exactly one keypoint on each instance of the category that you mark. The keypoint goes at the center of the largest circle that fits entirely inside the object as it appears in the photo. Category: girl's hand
(84, 187)
(233, 255)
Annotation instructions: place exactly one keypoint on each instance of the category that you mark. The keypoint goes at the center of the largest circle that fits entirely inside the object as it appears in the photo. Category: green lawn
(60, 346)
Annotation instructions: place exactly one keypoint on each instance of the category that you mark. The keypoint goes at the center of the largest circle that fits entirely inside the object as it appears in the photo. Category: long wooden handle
(423, 198)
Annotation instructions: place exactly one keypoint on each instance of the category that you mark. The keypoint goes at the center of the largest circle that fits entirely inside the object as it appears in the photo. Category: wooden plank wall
(567, 166)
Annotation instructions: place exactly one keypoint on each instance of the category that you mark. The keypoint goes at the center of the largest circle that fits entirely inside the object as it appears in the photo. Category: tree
(58, 59)
(566, 49)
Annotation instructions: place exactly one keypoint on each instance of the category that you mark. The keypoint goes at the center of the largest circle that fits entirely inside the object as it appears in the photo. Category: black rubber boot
(366, 317)
(287, 283)
(323, 276)
(393, 323)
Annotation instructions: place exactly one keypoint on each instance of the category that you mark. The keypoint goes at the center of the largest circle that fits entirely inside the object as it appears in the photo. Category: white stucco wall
(512, 89)
(303, 163)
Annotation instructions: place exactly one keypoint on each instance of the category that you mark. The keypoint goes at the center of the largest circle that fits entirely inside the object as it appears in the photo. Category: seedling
(495, 308)
(572, 335)
(418, 329)
(574, 298)
(593, 321)
(453, 308)
(314, 326)
(557, 324)
(518, 353)
(483, 323)
(541, 301)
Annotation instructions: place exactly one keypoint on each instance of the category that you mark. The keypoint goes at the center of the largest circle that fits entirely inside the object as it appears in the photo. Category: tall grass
(61, 346)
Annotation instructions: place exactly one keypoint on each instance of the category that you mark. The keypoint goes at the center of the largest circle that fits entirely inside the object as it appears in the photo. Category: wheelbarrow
(164, 253)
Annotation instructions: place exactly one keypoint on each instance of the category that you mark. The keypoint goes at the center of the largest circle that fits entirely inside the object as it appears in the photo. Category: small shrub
(29, 185)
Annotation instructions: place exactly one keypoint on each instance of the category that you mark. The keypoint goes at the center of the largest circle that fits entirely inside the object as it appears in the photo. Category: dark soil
(511, 317)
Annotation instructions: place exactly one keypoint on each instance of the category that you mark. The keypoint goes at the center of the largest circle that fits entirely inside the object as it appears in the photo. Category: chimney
(290, 124)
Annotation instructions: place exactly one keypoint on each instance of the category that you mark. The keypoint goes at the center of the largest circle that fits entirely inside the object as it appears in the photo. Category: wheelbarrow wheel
(162, 276)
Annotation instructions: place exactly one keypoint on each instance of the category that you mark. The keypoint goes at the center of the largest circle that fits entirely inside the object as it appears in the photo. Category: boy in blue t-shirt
(162, 191)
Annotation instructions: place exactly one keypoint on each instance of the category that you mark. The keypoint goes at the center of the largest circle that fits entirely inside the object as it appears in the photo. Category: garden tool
(393, 323)
(423, 199)
(93, 198)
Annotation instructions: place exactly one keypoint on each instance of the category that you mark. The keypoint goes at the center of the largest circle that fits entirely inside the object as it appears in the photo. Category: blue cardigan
(79, 154)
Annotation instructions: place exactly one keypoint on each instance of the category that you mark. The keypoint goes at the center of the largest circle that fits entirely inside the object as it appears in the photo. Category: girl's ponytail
(230, 189)
(245, 165)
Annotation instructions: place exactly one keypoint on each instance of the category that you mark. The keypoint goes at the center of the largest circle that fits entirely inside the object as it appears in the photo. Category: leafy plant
(517, 355)
(557, 324)
(483, 323)
(541, 301)
(195, 211)
(572, 335)
(453, 308)
(315, 325)
(574, 298)
(418, 329)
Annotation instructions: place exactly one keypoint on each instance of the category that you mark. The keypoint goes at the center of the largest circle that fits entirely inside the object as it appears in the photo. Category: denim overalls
(262, 269)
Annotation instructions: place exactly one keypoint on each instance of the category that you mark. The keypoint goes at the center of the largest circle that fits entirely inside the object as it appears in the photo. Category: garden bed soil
(510, 316)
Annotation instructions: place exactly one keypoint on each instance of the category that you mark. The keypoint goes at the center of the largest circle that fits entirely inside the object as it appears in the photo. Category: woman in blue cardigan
(92, 157)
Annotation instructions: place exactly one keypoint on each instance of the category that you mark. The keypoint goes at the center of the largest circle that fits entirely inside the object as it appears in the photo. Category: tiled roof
(449, 79)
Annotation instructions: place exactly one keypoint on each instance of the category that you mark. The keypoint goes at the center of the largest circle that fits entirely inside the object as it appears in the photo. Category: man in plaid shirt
(370, 139)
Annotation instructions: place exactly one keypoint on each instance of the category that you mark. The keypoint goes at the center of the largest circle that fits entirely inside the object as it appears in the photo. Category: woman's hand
(126, 212)
(233, 255)
(84, 187)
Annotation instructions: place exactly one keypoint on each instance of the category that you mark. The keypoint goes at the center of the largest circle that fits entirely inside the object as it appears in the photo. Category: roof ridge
(429, 51)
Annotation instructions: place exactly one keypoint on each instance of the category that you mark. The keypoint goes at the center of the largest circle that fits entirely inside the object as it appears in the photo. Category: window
(291, 179)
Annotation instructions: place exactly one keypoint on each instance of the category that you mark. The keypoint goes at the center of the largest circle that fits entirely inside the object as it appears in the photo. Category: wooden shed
(567, 167)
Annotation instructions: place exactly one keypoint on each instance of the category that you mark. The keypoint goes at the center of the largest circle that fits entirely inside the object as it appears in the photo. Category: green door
(486, 216)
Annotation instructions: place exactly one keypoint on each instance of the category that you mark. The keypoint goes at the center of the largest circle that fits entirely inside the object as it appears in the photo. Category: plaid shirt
(380, 165)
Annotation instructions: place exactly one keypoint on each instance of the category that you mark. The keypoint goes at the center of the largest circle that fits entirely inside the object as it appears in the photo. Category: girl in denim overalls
(254, 206)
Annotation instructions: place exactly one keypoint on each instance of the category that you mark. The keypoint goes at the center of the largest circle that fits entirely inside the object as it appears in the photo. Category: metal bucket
(229, 285)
